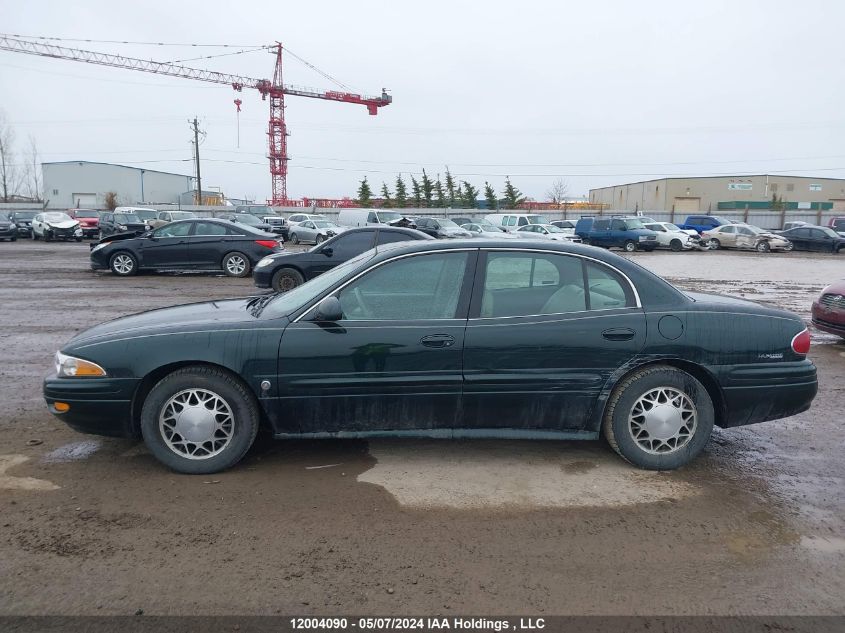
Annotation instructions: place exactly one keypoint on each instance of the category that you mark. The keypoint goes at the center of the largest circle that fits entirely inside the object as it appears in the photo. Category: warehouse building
(715, 193)
(84, 184)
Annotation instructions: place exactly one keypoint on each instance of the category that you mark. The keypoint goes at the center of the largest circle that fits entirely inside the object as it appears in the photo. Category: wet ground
(95, 526)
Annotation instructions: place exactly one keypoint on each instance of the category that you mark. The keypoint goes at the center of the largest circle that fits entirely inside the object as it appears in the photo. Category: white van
(513, 221)
(371, 217)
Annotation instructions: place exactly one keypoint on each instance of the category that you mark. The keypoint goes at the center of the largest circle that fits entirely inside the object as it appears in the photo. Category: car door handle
(438, 340)
(619, 334)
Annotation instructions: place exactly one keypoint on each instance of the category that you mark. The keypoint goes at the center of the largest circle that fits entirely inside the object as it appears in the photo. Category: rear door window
(350, 245)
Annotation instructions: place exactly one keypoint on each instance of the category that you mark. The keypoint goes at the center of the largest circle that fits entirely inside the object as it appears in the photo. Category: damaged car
(55, 225)
(745, 236)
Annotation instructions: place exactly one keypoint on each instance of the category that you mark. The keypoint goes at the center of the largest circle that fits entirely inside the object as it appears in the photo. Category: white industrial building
(84, 184)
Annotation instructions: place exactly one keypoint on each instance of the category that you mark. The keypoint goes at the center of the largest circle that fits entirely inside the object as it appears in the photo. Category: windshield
(126, 218)
(182, 215)
(537, 219)
(246, 218)
(671, 227)
(551, 228)
(829, 232)
(634, 223)
(722, 220)
(24, 215)
(755, 229)
(86, 214)
(389, 216)
(57, 217)
(256, 209)
(324, 224)
(287, 302)
(487, 227)
(145, 214)
(448, 224)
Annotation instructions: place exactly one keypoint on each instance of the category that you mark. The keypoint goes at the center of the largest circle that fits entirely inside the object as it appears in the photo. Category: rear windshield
(86, 214)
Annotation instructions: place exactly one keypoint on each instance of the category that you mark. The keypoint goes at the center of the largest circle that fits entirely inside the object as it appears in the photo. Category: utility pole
(197, 157)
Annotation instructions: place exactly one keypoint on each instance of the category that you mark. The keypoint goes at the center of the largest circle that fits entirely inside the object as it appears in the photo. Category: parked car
(701, 223)
(483, 228)
(794, 224)
(670, 236)
(112, 223)
(55, 225)
(583, 227)
(449, 339)
(286, 271)
(815, 238)
(829, 309)
(8, 229)
(145, 214)
(545, 232)
(625, 232)
(513, 220)
(89, 221)
(441, 228)
(837, 224)
(164, 217)
(314, 231)
(277, 225)
(249, 220)
(462, 219)
(746, 236)
(299, 218)
(198, 244)
(373, 217)
(23, 220)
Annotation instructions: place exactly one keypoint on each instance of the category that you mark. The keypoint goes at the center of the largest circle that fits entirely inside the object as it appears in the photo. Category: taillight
(801, 342)
(267, 243)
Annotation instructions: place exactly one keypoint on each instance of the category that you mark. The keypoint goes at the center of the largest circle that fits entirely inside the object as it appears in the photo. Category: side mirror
(328, 252)
(329, 310)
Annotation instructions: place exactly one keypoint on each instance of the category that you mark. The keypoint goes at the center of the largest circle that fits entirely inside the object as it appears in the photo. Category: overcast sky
(596, 92)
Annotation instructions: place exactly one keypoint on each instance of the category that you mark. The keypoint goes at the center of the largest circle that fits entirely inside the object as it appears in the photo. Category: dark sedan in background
(113, 223)
(200, 244)
(457, 339)
(285, 271)
(251, 221)
(23, 220)
(8, 229)
(829, 309)
(815, 238)
(441, 228)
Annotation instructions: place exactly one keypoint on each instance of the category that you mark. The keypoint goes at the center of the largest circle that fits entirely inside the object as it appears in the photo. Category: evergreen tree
(470, 196)
(440, 194)
(427, 188)
(490, 196)
(401, 193)
(459, 196)
(513, 196)
(450, 188)
(417, 192)
(365, 194)
(385, 193)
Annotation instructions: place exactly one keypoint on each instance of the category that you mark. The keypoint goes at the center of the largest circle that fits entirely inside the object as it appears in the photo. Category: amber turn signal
(61, 407)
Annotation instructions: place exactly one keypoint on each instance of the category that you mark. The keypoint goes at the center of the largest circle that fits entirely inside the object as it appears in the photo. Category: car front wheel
(236, 265)
(286, 279)
(676, 245)
(659, 418)
(123, 264)
(763, 247)
(715, 244)
(199, 420)
(630, 246)
(294, 238)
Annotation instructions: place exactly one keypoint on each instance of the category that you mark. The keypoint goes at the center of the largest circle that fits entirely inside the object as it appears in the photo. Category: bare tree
(8, 169)
(557, 192)
(33, 171)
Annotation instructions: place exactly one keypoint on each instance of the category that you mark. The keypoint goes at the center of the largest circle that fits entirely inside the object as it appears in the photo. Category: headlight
(69, 367)
(264, 262)
(100, 246)
(121, 227)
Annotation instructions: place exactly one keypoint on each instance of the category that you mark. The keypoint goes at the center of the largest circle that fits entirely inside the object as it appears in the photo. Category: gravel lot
(96, 526)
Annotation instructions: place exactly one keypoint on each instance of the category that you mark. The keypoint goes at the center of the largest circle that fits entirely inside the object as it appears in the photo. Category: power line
(193, 59)
(95, 41)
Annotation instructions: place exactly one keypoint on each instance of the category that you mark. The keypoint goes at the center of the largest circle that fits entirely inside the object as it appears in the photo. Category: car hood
(208, 315)
(64, 224)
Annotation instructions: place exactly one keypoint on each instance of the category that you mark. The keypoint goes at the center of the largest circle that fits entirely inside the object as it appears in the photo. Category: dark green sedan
(446, 340)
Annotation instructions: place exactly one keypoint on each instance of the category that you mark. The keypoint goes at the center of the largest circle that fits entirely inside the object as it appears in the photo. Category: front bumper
(90, 231)
(762, 392)
(9, 232)
(830, 320)
(102, 406)
(24, 229)
(263, 277)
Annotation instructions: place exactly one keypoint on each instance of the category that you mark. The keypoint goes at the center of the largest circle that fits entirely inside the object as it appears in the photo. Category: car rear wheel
(123, 264)
(659, 418)
(286, 279)
(236, 265)
(199, 420)
(763, 247)
(630, 246)
(294, 238)
(715, 244)
(676, 245)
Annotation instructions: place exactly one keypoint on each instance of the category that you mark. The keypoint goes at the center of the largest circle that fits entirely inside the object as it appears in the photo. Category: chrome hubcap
(236, 265)
(663, 420)
(196, 424)
(123, 264)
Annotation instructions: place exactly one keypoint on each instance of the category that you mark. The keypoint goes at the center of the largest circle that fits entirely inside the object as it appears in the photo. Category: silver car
(546, 232)
(314, 231)
(485, 229)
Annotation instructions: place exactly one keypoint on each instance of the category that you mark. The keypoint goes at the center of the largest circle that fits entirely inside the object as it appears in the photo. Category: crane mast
(276, 90)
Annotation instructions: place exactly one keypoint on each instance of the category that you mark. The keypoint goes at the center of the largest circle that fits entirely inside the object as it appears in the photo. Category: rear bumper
(102, 406)
(758, 393)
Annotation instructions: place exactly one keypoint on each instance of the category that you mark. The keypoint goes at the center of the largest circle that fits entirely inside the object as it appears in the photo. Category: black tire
(78, 239)
(619, 430)
(123, 264)
(236, 264)
(676, 245)
(294, 238)
(48, 236)
(286, 279)
(15, 238)
(320, 239)
(630, 246)
(763, 247)
(242, 409)
(715, 244)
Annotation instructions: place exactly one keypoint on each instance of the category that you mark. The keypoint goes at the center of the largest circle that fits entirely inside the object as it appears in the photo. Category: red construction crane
(277, 131)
